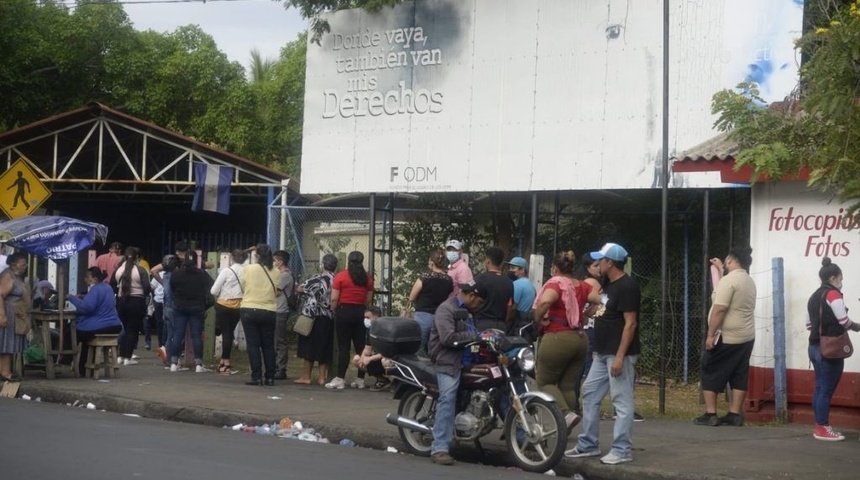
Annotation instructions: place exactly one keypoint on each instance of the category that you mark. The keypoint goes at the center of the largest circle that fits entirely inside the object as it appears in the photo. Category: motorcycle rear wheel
(416, 406)
(539, 445)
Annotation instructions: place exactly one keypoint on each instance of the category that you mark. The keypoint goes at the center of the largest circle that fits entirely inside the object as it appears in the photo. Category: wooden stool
(103, 346)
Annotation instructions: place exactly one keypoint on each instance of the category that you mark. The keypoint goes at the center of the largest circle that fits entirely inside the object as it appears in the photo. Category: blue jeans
(425, 321)
(446, 408)
(828, 372)
(259, 326)
(598, 383)
(589, 358)
(193, 318)
(167, 320)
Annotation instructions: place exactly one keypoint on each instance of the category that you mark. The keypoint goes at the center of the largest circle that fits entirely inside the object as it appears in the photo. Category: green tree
(55, 60)
(261, 68)
(279, 110)
(313, 9)
(818, 128)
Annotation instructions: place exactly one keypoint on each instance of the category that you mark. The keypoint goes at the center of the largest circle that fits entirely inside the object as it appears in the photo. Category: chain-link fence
(308, 233)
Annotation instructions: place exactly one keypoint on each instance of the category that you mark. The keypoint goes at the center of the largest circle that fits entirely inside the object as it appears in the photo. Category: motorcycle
(493, 393)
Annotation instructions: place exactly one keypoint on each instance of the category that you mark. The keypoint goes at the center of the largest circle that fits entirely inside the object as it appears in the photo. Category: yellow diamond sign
(21, 191)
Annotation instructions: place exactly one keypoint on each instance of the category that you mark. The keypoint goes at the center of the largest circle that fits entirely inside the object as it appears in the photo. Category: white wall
(523, 95)
(802, 226)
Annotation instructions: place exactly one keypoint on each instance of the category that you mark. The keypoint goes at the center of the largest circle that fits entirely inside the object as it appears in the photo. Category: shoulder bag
(833, 348)
(304, 325)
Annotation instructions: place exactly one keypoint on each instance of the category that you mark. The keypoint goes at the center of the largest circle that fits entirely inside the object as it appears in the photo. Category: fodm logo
(413, 174)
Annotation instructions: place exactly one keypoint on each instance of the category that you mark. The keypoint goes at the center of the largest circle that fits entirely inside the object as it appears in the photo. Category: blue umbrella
(53, 237)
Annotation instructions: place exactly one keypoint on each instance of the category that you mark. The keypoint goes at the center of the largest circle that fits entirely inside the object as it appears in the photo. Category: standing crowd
(586, 317)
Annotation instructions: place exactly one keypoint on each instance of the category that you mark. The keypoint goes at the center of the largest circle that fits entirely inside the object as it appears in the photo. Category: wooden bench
(102, 353)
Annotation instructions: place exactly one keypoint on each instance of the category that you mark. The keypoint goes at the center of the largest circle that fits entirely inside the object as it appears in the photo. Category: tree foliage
(279, 112)
(817, 128)
(56, 59)
(313, 9)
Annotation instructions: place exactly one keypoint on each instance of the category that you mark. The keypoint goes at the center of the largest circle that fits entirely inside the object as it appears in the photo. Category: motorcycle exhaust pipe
(404, 422)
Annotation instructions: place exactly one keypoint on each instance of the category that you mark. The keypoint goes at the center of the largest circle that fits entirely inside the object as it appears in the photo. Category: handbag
(304, 325)
(832, 347)
(836, 347)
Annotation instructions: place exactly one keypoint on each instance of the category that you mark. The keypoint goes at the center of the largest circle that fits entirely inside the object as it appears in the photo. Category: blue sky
(237, 26)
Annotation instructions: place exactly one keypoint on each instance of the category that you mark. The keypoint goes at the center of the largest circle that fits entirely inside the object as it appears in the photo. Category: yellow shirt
(736, 291)
(259, 292)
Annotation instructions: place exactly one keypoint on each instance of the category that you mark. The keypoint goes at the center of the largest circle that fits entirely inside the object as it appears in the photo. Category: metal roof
(125, 151)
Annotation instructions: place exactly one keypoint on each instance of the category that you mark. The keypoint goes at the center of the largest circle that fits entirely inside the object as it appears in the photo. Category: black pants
(259, 326)
(349, 328)
(131, 312)
(85, 337)
(226, 319)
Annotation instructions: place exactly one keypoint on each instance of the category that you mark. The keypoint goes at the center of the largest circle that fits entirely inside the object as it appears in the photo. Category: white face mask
(366, 322)
(452, 256)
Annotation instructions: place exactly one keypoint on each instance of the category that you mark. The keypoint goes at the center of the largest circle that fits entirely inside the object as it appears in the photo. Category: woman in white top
(131, 283)
(228, 291)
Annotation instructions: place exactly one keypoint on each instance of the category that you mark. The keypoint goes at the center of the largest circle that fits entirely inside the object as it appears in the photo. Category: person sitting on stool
(96, 313)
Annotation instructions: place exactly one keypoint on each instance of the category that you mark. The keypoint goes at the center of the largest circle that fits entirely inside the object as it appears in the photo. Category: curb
(589, 468)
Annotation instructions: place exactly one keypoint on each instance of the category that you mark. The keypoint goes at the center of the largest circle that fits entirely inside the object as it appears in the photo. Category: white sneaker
(174, 367)
(201, 369)
(612, 459)
(134, 357)
(119, 360)
(130, 361)
(337, 383)
(575, 453)
(357, 383)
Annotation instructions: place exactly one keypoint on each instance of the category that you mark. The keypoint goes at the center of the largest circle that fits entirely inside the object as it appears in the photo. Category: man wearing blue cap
(524, 294)
(616, 348)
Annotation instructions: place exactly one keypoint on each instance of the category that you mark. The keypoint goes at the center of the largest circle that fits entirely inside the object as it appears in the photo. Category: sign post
(21, 191)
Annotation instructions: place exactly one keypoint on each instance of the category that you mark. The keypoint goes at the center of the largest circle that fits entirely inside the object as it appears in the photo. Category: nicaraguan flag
(212, 188)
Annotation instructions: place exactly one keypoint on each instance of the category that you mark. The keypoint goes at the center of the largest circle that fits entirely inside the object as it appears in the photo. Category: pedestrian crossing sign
(21, 191)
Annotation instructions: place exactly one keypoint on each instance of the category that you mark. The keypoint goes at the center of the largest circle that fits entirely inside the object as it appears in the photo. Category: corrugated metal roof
(720, 148)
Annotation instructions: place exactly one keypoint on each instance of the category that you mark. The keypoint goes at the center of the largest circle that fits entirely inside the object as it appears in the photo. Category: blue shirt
(524, 294)
(97, 310)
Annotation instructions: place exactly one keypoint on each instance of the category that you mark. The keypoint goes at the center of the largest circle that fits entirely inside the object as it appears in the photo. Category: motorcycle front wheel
(537, 445)
(416, 406)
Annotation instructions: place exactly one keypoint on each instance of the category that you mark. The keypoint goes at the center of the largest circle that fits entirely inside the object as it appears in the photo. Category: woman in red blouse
(351, 293)
(564, 346)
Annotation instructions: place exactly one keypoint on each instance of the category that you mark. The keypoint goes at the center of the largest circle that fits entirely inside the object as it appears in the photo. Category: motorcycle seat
(518, 342)
(423, 368)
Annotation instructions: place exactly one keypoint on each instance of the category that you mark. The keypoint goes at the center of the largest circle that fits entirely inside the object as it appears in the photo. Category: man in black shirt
(616, 348)
(499, 304)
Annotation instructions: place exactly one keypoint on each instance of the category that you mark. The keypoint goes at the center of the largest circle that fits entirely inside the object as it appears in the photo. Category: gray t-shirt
(285, 285)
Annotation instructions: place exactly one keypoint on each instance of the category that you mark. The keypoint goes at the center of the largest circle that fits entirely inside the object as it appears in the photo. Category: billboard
(801, 226)
(525, 95)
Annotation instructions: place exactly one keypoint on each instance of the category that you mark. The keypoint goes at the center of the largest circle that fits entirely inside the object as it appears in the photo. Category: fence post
(779, 373)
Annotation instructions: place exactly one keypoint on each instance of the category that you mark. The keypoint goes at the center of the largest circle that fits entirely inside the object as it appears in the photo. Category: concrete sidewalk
(663, 449)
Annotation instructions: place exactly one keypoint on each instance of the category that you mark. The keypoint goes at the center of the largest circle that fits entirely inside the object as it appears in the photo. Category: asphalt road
(40, 441)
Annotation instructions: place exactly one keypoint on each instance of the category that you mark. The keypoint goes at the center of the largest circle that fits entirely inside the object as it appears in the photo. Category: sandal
(224, 369)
